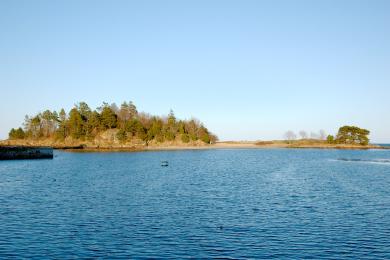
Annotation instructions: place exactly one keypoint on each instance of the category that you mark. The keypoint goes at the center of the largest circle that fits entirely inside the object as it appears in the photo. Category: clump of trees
(350, 135)
(83, 123)
(16, 133)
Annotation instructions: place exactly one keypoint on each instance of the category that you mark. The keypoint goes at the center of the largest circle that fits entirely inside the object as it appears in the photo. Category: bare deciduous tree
(303, 134)
(290, 135)
(322, 134)
(313, 135)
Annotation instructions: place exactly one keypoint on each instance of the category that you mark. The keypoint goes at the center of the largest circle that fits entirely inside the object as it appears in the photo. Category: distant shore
(85, 147)
(268, 145)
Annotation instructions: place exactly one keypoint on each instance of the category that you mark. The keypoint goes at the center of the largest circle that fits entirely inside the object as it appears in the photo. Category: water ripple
(231, 204)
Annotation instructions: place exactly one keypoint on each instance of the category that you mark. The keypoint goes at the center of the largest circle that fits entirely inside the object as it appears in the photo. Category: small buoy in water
(164, 163)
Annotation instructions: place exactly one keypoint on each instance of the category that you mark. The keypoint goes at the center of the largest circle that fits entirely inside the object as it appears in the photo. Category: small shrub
(330, 139)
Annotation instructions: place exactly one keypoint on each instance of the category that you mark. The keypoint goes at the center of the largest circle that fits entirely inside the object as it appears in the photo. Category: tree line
(83, 123)
(290, 135)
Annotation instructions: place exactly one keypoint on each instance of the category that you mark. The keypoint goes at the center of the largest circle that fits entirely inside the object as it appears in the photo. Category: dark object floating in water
(164, 163)
(25, 152)
(363, 160)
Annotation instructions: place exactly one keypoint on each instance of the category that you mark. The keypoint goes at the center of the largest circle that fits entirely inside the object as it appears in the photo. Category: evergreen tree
(108, 118)
(16, 133)
(76, 124)
(181, 127)
(121, 135)
(49, 121)
(192, 129)
(84, 110)
(123, 114)
(35, 126)
(330, 139)
(204, 134)
(155, 131)
(170, 130)
(132, 110)
(94, 123)
(171, 118)
(352, 135)
(83, 122)
(62, 125)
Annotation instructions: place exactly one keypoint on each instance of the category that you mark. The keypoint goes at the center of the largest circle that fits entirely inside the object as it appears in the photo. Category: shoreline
(218, 145)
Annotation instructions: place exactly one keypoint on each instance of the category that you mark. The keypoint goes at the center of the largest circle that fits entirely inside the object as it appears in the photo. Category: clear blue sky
(247, 69)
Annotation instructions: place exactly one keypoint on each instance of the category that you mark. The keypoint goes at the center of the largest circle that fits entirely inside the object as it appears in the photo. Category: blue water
(272, 203)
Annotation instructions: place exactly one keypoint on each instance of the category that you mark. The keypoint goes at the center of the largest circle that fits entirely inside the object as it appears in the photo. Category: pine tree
(62, 125)
(76, 124)
(108, 118)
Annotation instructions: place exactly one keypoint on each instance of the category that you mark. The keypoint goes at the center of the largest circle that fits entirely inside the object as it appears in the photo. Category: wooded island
(110, 124)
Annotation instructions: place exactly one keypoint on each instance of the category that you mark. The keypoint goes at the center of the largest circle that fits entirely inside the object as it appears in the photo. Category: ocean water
(261, 204)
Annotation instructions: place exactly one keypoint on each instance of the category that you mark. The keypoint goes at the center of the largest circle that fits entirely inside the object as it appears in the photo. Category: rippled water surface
(210, 203)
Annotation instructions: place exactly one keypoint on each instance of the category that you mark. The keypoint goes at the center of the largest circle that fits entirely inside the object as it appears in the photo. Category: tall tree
(108, 118)
(84, 110)
(49, 121)
(93, 125)
(192, 129)
(114, 108)
(126, 112)
(76, 124)
(132, 109)
(35, 126)
(170, 129)
(62, 125)
(123, 114)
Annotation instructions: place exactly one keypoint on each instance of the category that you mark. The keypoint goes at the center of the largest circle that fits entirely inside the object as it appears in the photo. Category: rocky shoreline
(24, 152)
